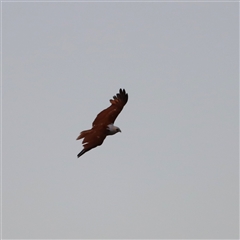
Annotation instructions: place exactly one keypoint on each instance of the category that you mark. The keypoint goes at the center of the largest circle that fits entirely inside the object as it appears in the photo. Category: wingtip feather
(81, 153)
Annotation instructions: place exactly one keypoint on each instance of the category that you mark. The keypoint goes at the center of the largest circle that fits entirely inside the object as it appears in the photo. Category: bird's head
(118, 129)
(113, 129)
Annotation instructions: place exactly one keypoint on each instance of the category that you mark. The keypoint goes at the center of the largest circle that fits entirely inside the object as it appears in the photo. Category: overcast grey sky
(172, 172)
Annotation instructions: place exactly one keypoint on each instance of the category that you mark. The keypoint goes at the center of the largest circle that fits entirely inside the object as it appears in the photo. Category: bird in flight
(103, 126)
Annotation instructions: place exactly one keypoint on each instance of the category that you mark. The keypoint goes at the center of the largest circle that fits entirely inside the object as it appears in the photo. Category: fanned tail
(83, 134)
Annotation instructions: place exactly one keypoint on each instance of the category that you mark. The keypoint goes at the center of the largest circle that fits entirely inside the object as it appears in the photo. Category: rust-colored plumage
(102, 126)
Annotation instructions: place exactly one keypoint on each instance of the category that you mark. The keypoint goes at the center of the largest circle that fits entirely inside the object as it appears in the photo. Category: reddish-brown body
(100, 127)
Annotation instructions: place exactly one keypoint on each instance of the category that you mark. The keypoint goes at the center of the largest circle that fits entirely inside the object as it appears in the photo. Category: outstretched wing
(108, 115)
(92, 138)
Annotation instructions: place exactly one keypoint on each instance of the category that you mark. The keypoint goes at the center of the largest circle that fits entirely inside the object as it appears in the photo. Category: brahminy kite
(103, 126)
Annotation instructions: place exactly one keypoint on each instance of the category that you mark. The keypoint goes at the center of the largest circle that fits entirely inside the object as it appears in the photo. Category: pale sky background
(172, 172)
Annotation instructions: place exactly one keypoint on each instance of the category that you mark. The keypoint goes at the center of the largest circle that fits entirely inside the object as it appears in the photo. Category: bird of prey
(103, 126)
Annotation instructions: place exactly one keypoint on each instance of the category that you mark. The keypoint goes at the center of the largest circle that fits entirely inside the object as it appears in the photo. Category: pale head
(112, 129)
